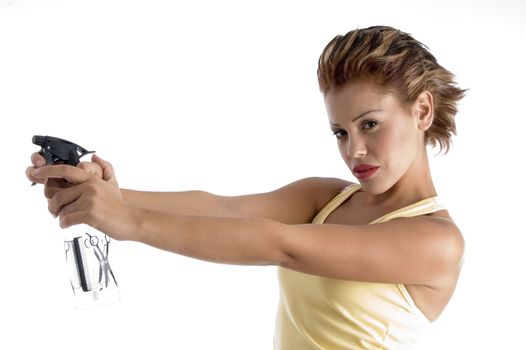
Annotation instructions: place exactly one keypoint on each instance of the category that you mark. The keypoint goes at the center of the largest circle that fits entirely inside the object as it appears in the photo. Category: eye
(369, 122)
(338, 133)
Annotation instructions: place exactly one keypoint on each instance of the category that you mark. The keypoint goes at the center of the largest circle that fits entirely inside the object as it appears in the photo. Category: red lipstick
(364, 171)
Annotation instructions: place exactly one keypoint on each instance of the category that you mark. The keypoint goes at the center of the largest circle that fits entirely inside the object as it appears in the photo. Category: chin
(374, 187)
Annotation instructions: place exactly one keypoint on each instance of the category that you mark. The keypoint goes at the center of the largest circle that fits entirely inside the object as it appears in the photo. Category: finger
(91, 167)
(71, 219)
(107, 168)
(63, 198)
(37, 160)
(72, 207)
(32, 178)
(53, 186)
(72, 174)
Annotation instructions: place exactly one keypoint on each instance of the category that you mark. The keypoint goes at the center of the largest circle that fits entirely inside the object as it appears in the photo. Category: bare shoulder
(447, 229)
(447, 241)
(295, 203)
(446, 248)
(328, 188)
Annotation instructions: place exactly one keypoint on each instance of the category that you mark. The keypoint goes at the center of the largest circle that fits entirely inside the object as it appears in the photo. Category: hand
(89, 200)
(97, 167)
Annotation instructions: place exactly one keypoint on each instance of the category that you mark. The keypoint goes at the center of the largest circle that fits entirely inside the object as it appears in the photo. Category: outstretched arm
(242, 241)
(294, 203)
(417, 250)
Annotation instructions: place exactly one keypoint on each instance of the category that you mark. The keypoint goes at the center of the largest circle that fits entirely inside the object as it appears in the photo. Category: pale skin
(424, 253)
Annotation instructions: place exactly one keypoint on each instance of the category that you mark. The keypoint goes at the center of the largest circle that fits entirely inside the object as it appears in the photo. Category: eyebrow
(361, 115)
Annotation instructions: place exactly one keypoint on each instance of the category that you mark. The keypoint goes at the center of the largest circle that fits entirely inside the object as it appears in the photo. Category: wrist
(135, 217)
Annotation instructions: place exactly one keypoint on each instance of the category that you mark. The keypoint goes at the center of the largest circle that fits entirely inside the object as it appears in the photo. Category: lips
(363, 168)
(363, 175)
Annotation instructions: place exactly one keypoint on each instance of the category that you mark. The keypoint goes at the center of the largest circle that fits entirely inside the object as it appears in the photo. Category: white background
(222, 96)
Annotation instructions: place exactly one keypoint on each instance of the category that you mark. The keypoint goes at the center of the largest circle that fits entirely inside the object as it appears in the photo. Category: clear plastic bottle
(87, 249)
(91, 276)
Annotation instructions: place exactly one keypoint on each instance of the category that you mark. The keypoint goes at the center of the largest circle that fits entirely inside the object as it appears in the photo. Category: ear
(423, 110)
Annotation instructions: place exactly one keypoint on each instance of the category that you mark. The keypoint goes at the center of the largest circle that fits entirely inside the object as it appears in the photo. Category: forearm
(242, 241)
(186, 202)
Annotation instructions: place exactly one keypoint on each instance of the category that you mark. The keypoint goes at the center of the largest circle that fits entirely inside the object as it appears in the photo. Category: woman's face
(371, 127)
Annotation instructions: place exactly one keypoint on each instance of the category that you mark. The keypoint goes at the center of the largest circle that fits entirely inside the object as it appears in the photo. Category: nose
(356, 148)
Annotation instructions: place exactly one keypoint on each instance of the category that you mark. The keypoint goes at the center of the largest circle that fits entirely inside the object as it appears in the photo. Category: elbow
(284, 259)
(284, 252)
(280, 254)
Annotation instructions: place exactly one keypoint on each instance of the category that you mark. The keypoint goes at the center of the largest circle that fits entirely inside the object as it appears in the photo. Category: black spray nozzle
(55, 150)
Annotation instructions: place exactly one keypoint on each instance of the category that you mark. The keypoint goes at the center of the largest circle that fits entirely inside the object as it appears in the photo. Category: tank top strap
(335, 203)
(425, 206)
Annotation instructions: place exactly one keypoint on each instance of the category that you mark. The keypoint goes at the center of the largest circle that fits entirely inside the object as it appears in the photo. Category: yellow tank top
(324, 313)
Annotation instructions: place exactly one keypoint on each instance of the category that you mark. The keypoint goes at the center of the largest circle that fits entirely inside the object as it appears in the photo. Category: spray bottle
(91, 277)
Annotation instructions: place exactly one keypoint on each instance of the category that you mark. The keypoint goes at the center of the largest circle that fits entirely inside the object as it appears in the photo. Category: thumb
(108, 173)
(92, 167)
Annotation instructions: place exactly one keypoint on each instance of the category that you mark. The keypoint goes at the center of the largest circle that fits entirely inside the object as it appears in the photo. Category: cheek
(404, 149)
(388, 142)
(397, 146)
(341, 148)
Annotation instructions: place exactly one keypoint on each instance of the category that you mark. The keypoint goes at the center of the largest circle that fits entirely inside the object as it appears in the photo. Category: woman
(386, 260)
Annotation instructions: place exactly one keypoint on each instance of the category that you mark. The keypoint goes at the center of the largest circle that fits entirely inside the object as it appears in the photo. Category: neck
(415, 185)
